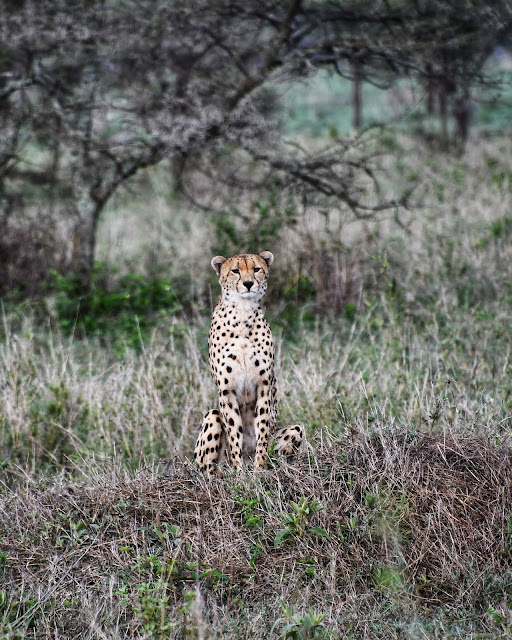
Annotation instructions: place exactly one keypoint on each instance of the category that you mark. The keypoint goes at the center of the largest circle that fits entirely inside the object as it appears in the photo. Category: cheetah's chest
(241, 351)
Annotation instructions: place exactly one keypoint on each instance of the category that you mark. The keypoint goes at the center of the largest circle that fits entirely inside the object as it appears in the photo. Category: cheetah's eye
(256, 269)
(235, 270)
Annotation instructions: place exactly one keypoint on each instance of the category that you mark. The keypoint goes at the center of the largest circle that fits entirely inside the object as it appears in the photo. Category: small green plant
(255, 552)
(303, 627)
(502, 179)
(11, 609)
(191, 624)
(152, 565)
(308, 565)
(152, 608)
(371, 499)
(295, 522)
(168, 534)
(388, 578)
(502, 619)
(248, 512)
(347, 533)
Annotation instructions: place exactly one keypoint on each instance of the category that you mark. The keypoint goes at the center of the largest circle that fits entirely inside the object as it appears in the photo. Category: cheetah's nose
(248, 284)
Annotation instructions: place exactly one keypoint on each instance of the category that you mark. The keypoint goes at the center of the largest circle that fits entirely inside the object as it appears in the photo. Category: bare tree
(98, 90)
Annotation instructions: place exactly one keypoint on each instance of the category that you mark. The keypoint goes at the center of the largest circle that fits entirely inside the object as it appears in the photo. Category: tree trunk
(84, 243)
(177, 163)
(443, 113)
(462, 110)
(357, 99)
(431, 92)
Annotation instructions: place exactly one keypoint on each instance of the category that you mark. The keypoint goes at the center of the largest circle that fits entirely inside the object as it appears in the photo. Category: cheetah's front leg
(210, 441)
(233, 425)
(262, 425)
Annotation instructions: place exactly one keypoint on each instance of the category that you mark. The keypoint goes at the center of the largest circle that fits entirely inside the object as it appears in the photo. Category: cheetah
(241, 350)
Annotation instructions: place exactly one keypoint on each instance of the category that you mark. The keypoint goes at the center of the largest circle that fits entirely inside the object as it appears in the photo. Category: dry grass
(420, 541)
(64, 400)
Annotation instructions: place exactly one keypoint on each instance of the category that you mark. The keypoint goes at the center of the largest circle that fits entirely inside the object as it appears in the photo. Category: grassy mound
(387, 535)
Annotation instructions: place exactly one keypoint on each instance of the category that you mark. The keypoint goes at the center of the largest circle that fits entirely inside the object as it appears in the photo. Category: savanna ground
(394, 351)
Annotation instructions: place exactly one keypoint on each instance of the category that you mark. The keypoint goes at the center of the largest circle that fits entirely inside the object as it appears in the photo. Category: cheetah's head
(243, 277)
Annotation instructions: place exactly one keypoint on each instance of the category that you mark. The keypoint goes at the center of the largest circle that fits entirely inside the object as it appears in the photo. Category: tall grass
(426, 345)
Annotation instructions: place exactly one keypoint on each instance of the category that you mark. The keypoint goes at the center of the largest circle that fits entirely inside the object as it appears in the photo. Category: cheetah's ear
(217, 263)
(268, 257)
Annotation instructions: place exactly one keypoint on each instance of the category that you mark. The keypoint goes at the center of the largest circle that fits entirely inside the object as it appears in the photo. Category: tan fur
(241, 351)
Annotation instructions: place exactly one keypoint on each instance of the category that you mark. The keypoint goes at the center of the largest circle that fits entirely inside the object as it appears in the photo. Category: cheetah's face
(243, 277)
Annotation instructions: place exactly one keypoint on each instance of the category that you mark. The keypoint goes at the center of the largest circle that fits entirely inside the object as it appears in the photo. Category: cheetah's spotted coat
(241, 351)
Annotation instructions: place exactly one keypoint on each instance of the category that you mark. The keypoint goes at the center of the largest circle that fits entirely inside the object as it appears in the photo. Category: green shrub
(254, 231)
(120, 308)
